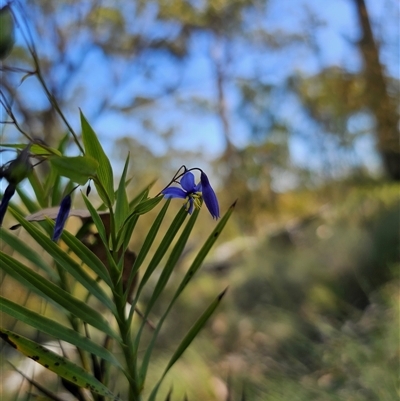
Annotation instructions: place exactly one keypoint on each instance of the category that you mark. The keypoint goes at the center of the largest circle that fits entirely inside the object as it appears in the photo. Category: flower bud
(8, 193)
(62, 217)
(19, 168)
(210, 199)
(6, 32)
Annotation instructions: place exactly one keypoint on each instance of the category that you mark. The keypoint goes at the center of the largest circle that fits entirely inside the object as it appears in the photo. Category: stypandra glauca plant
(91, 280)
(106, 269)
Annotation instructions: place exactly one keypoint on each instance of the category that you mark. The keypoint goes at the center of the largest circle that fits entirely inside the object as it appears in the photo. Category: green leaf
(126, 231)
(52, 184)
(189, 275)
(37, 188)
(190, 336)
(51, 187)
(140, 196)
(104, 172)
(38, 149)
(144, 250)
(55, 329)
(171, 262)
(16, 244)
(78, 169)
(163, 247)
(96, 220)
(162, 282)
(192, 333)
(56, 363)
(147, 205)
(47, 289)
(87, 256)
(65, 260)
(122, 206)
(159, 254)
(204, 251)
(103, 235)
(31, 205)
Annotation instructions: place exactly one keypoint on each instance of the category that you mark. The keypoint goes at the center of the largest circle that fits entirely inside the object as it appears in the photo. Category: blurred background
(291, 107)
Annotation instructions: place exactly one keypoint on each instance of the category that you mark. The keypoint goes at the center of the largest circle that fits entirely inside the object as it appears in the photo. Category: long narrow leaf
(189, 275)
(144, 250)
(96, 220)
(190, 336)
(126, 232)
(45, 288)
(65, 260)
(55, 329)
(28, 253)
(49, 396)
(164, 245)
(122, 206)
(204, 251)
(162, 282)
(140, 196)
(114, 270)
(104, 173)
(37, 188)
(86, 256)
(27, 201)
(52, 185)
(56, 363)
(38, 149)
(78, 169)
(192, 333)
(146, 205)
(171, 262)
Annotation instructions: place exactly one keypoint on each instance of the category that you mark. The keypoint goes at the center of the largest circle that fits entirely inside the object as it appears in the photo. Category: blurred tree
(71, 38)
(149, 69)
(377, 96)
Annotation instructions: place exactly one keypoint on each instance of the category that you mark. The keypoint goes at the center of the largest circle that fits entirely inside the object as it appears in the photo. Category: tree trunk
(380, 103)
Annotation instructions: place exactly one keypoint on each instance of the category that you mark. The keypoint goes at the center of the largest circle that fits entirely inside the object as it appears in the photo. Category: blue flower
(194, 193)
(8, 193)
(210, 199)
(190, 191)
(62, 217)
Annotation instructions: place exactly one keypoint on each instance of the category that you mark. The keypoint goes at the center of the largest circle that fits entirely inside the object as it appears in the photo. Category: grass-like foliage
(94, 286)
(104, 271)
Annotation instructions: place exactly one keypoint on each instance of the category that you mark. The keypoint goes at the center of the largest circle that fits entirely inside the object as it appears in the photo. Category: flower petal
(173, 192)
(210, 199)
(62, 217)
(187, 182)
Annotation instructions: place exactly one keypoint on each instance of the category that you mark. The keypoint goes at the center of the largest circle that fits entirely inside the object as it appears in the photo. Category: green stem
(54, 102)
(123, 322)
(127, 348)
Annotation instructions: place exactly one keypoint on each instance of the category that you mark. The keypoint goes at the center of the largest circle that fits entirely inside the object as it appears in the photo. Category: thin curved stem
(38, 72)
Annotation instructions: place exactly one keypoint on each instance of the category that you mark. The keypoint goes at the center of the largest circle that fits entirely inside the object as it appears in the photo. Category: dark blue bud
(210, 199)
(62, 217)
(8, 194)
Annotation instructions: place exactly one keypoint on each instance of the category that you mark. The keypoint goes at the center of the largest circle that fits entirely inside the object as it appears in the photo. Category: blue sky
(201, 131)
